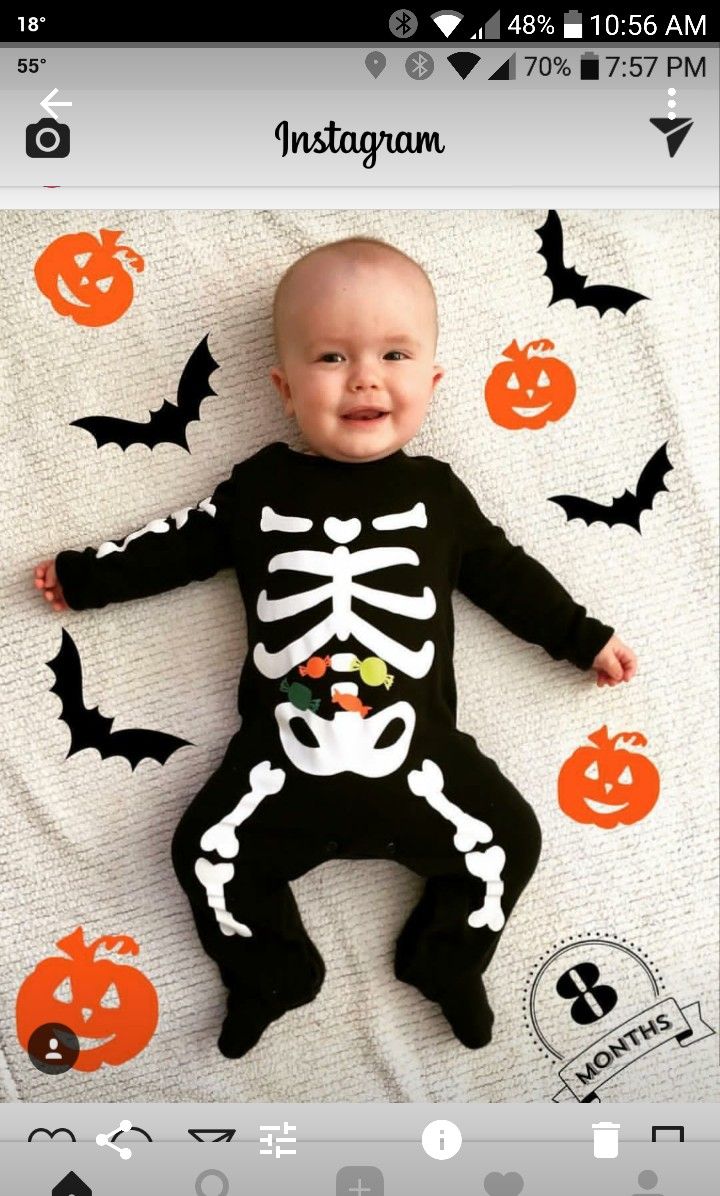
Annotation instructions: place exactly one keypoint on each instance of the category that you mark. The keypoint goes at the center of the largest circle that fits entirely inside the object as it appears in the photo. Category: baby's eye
(395, 355)
(332, 357)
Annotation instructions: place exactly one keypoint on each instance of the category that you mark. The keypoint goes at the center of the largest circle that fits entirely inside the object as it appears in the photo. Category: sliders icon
(674, 130)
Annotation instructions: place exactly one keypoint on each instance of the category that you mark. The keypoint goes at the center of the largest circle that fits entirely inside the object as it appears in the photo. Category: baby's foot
(468, 1011)
(247, 1020)
(465, 1006)
(248, 1017)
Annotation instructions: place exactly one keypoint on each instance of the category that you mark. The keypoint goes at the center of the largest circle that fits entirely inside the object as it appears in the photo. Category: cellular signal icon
(447, 20)
(491, 31)
(506, 70)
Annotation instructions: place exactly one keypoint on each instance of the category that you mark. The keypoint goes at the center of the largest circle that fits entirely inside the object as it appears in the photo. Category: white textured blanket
(86, 841)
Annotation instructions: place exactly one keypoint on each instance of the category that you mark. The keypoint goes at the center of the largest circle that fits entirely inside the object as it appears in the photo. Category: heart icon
(504, 1185)
(41, 1132)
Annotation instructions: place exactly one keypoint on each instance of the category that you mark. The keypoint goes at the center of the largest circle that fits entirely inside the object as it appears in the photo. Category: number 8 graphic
(592, 1001)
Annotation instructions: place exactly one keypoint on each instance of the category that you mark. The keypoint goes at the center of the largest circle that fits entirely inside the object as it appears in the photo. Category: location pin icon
(376, 63)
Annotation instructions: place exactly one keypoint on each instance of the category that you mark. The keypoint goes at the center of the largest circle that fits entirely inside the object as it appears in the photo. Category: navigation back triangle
(674, 130)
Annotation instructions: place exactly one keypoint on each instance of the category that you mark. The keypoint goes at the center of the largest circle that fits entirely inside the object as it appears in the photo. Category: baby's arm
(525, 597)
(189, 545)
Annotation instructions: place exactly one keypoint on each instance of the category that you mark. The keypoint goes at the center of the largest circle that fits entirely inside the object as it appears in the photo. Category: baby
(346, 555)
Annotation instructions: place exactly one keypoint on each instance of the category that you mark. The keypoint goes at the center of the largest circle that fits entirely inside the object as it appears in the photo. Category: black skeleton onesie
(348, 746)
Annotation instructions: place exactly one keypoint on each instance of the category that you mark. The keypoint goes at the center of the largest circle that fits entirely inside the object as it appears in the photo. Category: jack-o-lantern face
(111, 1007)
(529, 389)
(84, 278)
(605, 784)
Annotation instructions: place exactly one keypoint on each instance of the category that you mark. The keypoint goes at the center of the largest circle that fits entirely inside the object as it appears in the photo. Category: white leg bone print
(342, 566)
(213, 878)
(222, 838)
(488, 865)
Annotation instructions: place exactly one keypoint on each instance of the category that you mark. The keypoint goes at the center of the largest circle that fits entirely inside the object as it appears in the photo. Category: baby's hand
(46, 580)
(615, 662)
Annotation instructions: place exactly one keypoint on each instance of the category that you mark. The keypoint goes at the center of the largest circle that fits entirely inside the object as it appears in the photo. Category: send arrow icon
(212, 1135)
(71, 1185)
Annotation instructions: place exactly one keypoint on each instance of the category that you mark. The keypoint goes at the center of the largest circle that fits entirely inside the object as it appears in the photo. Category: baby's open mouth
(365, 413)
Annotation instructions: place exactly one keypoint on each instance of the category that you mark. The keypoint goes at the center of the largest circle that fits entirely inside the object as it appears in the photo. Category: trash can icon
(605, 1139)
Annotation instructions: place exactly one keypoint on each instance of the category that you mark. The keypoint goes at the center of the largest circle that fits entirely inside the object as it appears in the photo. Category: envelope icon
(212, 1135)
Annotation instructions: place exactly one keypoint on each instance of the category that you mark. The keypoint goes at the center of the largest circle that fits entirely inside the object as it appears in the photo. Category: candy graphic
(315, 666)
(350, 702)
(299, 695)
(373, 671)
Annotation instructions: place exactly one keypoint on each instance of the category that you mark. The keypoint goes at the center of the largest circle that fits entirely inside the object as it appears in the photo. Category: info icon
(48, 138)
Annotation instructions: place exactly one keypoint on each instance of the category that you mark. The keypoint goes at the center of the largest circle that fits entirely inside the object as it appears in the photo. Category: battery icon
(572, 23)
(589, 66)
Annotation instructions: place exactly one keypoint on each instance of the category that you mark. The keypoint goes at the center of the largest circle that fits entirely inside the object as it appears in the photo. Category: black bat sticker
(628, 507)
(167, 425)
(90, 728)
(567, 283)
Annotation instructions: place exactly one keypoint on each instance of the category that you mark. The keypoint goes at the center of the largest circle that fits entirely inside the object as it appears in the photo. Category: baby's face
(357, 347)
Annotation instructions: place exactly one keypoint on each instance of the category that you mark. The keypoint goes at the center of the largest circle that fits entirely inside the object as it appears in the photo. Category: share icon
(105, 1140)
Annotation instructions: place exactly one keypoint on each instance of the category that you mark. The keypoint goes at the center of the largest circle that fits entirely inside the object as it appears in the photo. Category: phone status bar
(357, 26)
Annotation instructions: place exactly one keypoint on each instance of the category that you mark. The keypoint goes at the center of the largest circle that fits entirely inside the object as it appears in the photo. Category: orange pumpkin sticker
(84, 277)
(529, 389)
(606, 784)
(111, 1007)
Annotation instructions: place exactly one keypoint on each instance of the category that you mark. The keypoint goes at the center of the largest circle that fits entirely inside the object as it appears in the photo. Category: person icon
(647, 1181)
(53, 1053)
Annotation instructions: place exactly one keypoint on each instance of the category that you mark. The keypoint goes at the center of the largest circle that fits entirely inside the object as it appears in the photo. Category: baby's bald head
(328, 265)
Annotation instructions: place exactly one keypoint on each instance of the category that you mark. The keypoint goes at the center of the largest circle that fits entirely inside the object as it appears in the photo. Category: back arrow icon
(48, 104)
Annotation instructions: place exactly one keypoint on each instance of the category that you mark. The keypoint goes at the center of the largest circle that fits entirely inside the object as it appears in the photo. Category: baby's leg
(478, 841)
(234, 851)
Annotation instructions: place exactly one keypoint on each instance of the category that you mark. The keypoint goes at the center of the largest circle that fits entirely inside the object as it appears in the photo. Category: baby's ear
(279, 380)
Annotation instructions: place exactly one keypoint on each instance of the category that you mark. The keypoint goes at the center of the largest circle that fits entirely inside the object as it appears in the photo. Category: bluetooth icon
(403, 23)
(419, 65)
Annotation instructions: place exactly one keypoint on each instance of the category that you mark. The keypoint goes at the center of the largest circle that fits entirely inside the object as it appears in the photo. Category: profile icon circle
(53, 1048)
(205, 1188)
(647, 1180)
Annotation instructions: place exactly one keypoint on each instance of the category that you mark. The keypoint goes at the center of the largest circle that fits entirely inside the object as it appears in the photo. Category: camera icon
(47, 139)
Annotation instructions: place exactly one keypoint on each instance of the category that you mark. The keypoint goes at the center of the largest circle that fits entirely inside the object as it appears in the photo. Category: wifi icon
(447, 21)
(463, 62)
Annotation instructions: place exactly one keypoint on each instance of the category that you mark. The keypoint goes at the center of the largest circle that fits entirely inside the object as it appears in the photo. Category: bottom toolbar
(363, 1169)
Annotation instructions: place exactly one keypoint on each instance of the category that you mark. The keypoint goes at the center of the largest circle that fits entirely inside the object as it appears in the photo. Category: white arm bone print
(342, 566)
(428, 782)
(157, 525)
(222, 838)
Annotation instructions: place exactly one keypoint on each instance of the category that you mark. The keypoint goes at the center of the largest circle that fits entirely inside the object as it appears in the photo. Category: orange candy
(315, 666)
(350, 702)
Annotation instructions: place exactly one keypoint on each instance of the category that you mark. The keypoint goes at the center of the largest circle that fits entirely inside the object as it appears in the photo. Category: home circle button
(212, 1183)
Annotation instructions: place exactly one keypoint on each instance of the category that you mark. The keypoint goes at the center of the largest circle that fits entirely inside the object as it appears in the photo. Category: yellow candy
(373, 671)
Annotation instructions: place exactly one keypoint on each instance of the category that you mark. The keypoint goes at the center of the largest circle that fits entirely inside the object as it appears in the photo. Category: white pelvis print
(345, 742)
(488, 865)
(222, 838)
